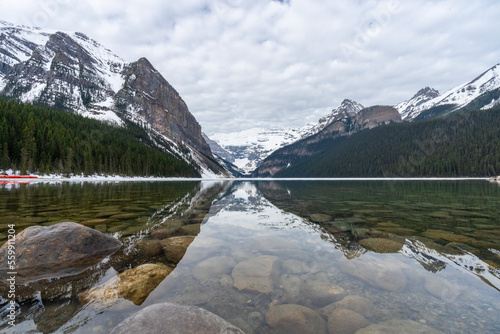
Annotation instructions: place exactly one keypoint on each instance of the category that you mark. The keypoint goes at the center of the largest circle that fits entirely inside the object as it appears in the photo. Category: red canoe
(18, 177)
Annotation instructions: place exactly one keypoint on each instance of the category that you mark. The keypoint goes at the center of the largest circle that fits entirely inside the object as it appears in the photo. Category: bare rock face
(63, 249)
(146, 92)
(371, 117)
(133, 284)
(170, 318)
(70, 75)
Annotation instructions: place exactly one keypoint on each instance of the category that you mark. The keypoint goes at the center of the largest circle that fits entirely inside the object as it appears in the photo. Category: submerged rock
(320, 218)
(291, 319)
(64, 249)
(133, 284)
(322, 292)
(381, 245)
(149, 248)
(295, 267)
(342, 321)
(386, 275)
(358, 304)
(170, 318)
(397, 326)
(175, 229)
(214, 267)
(292, 286)
(176, 247)
(442, 288)
(256, 274)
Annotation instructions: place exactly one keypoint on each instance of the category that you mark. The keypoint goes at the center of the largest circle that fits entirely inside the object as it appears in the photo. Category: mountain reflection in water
(412, 254)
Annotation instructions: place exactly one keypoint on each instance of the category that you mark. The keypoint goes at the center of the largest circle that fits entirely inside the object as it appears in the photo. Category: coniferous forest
(463, 144)
(41, 140)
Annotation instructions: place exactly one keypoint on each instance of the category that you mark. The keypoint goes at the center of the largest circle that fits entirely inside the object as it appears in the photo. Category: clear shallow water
(439, 268)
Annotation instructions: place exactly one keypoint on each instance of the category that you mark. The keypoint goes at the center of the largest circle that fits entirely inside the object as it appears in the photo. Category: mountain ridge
(455, 98)
(341, 127)
(70, 71)
(483, 92)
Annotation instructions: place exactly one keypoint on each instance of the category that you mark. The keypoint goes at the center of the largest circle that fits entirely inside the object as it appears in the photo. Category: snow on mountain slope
(248, 148)
(424, 95)
(39, 54)
(458, 96)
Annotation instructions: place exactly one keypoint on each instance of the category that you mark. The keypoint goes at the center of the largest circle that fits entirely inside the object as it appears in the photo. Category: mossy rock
(107, 214)
(125, 216)
(393, 225)
(320, 218)
(380, 245)
(446, 235)
(398, 231)
(94, 222)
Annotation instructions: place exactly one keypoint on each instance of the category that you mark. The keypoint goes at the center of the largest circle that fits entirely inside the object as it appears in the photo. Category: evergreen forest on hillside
(464, 144)
(41, 140)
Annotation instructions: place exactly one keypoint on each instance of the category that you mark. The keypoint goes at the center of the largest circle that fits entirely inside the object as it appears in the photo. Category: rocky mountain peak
(426, 92)
(149, 96)
(407, 108)
(348, 108)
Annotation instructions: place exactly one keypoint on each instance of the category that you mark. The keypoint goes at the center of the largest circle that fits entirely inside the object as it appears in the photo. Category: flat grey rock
(168, 318)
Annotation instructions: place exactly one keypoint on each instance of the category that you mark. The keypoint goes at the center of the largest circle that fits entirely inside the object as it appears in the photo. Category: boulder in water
(168, 318)
(64, 249)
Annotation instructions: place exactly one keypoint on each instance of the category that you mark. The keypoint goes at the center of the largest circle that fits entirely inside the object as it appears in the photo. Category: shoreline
(116, 178)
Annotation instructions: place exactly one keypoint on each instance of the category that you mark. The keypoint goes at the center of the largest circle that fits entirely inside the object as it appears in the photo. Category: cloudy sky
(240, 64)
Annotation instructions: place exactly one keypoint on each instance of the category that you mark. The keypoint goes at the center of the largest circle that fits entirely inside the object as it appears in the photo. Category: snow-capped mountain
(73, 72)
(39, 65)
(482, 92)
(248, 148)
(424, 95)
(347, 109)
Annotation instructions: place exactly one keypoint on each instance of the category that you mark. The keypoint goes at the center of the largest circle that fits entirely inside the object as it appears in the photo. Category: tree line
(36, 139)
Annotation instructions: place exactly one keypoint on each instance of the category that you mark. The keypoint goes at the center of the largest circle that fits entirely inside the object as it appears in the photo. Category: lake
(277, 256)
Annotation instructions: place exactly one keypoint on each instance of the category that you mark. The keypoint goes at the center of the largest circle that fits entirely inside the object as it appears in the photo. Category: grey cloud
(246, 63)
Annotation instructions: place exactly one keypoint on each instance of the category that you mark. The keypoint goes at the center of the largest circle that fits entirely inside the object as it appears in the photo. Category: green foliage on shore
(461, 144)
(44, 140)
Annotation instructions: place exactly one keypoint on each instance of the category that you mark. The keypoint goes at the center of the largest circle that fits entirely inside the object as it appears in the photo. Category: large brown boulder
(133, 284)
(64, 249)
(169, 318)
